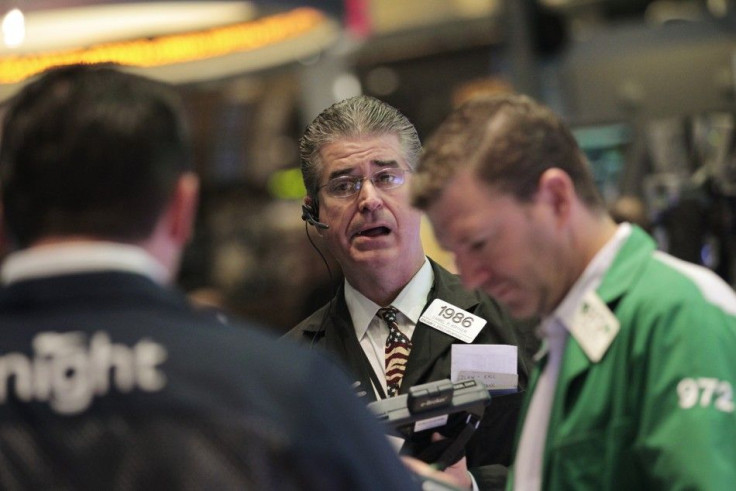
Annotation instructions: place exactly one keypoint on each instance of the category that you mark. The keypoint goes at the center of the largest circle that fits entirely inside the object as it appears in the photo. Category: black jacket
(489, 451)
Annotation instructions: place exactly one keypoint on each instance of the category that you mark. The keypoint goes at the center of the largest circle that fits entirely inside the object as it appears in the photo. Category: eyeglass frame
(357, 181)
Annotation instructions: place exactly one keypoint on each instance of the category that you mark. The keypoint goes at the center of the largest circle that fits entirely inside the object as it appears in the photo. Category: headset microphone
(308, 216)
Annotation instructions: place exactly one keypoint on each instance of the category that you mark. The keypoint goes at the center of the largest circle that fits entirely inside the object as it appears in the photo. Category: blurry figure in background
(634, 389)
(358, 156)
(117, 381)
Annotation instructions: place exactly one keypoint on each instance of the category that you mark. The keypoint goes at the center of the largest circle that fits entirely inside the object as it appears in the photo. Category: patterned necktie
(398, 347)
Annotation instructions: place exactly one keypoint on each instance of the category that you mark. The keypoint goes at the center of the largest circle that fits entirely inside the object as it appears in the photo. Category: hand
(459, 474)
(426, 471)
(456, 475)
(458, 471)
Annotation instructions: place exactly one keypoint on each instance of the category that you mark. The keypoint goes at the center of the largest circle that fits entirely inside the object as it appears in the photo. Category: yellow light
(173, 48)
(287, 184)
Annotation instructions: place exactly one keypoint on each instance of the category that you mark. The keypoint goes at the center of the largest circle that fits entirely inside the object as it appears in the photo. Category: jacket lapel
(340, 338)
(628, 266)
(574, 364)
(429, 344)
(624, 271)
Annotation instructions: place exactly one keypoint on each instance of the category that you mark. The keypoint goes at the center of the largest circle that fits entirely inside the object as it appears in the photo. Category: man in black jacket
(108, 378)
(357, 157)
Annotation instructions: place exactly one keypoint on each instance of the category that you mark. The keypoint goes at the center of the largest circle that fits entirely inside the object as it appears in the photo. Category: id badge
(453, 321)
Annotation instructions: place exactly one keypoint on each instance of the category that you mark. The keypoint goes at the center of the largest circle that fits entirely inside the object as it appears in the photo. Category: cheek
(408, 219)
(414, 220)
(470, 263)
(506, 260)
(536, 267)
(332, 235)
(334, 215)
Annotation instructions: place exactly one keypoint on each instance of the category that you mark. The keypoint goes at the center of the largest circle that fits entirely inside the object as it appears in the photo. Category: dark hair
(509, 140)
(357, 116)
(90, 150)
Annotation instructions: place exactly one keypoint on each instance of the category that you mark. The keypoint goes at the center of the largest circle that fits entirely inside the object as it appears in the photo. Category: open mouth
(373, 232)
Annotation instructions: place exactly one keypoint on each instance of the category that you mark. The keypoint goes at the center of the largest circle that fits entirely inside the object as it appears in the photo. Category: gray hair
(353, 117)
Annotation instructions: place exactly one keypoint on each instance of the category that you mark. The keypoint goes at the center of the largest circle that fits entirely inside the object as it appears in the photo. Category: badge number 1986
(453, 320)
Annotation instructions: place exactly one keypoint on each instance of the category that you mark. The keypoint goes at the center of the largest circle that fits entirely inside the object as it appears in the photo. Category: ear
(183, 208)
(310, 212)
(557, 190)
(309, 203)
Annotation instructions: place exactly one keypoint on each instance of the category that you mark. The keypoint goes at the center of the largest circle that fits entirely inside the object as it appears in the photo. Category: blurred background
(648, 86)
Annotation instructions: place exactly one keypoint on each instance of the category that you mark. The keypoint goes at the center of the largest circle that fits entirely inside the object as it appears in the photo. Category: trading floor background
(647, 85)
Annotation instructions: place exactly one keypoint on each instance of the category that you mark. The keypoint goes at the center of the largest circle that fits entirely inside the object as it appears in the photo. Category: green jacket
(657, 411)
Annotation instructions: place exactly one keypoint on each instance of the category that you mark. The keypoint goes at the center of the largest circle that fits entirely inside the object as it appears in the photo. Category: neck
(583, 237)
(593, 232)
(383, 285)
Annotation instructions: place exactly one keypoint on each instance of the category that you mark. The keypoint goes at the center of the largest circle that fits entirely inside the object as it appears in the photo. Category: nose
(472, 272)
(369, 198)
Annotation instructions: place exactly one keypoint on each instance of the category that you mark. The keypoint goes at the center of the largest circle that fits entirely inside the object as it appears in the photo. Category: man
(111, 380)
(635, 386)
(357, 157)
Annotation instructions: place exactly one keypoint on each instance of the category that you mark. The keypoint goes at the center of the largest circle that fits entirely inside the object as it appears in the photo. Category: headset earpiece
(310, 213)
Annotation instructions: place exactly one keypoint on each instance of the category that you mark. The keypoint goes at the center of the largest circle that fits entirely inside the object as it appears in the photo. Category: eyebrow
(382, 164)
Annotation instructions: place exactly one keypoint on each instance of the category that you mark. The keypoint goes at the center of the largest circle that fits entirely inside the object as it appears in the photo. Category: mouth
(373, 232)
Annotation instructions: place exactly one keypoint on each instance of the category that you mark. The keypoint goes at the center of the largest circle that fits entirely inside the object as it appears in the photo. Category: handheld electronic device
(452, 409)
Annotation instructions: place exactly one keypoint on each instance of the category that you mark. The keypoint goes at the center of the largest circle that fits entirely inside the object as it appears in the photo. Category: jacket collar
(409, 301)
(620, 277)
(339, 336)
(628, 265)
(80, 257)
(91, 288)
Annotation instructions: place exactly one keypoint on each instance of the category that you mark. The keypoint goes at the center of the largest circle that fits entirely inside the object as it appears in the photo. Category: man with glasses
(357, 158)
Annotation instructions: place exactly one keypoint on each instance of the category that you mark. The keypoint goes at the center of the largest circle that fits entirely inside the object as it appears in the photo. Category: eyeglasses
(347, 186)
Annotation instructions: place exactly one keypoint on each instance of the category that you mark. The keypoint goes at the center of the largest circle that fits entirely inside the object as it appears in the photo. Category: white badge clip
(452, 320)
(594, 326)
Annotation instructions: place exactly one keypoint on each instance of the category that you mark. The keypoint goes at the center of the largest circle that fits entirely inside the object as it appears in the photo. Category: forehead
(466, 207)
(363, 151)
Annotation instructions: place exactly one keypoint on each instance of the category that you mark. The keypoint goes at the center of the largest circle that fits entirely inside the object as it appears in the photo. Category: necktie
(398, 347)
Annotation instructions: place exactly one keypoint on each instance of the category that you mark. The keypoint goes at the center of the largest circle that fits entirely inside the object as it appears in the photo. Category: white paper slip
(453, 320)
(493, 364)
(495, 382)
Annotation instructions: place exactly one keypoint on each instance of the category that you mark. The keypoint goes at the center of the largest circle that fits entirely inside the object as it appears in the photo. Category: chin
(376, 257)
